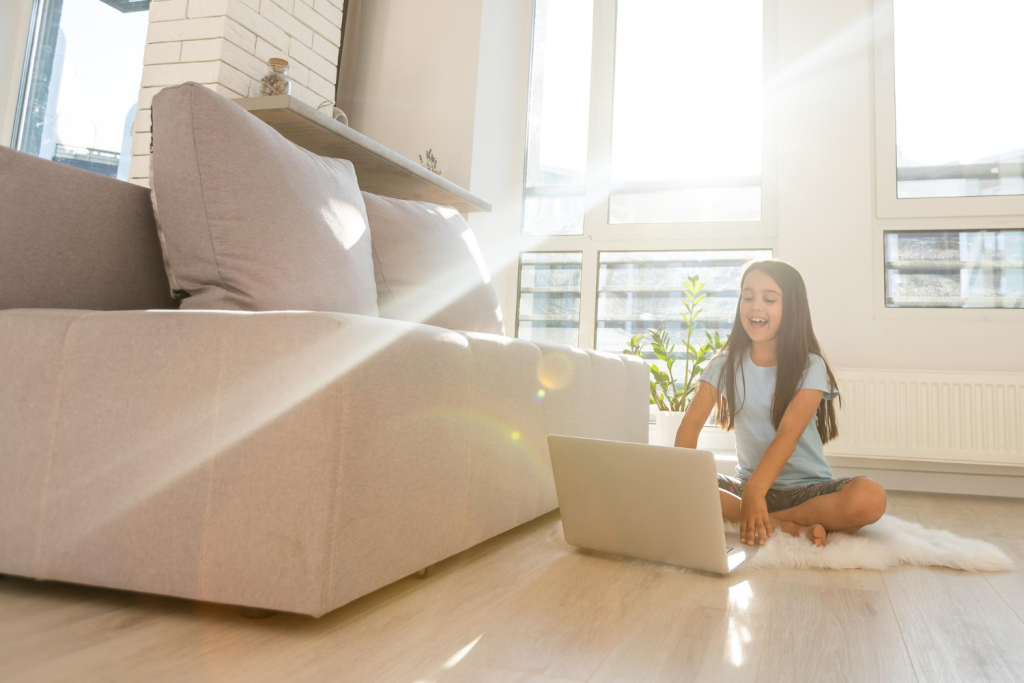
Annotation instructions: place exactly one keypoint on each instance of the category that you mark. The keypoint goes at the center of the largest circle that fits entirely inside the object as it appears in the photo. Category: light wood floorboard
(1011, 586)
(826, 633)
(527, 608)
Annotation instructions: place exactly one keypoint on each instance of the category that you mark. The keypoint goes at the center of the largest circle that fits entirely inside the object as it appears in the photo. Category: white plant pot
(666, 424)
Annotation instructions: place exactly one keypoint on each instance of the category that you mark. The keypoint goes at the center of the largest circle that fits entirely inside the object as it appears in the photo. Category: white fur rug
(889, 542)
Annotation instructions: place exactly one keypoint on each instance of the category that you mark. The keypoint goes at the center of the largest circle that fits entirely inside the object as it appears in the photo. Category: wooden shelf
(379, 170)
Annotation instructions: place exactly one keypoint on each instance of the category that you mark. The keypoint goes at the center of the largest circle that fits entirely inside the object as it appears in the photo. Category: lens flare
(555, 370)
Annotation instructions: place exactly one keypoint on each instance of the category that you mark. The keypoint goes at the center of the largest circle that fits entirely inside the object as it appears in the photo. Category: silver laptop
(652, 502)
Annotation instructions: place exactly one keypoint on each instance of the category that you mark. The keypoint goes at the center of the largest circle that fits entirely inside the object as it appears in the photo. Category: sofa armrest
(208, 441)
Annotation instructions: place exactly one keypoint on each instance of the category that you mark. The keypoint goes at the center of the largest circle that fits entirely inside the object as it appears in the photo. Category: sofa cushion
(250, 221)
(74, 239)
(429, 268)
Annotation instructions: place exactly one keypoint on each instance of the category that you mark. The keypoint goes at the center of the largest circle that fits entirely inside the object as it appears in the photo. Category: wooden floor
(527, 607)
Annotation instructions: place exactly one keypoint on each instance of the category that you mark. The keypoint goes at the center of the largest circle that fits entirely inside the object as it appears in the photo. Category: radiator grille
(963, 417)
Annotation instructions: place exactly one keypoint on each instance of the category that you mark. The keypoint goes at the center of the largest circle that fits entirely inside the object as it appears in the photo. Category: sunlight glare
(740, 595)
(474, 252)
(341, 212)
(735, 558)
(735, 648)
(460, 655)
(738, 637)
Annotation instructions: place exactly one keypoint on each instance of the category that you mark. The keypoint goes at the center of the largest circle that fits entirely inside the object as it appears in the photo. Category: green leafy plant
(668, 392)
(431, 163)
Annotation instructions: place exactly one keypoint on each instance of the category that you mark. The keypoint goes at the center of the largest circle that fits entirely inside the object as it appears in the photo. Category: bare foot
(814, 532)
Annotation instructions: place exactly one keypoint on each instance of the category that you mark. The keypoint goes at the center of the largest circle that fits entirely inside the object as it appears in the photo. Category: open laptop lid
(651, 502)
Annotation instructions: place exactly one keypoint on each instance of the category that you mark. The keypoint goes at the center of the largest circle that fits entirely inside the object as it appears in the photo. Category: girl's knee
(868, 499)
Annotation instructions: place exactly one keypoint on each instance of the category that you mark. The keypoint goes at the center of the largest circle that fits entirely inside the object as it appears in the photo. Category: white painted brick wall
(225, 45)
(162, 53)
(205, 8)
(239, 35)
(326, 49)
(168, 10)
(201, 50)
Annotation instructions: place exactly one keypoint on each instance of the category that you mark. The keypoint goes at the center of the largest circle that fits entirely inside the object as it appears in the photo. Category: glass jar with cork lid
(276, 82)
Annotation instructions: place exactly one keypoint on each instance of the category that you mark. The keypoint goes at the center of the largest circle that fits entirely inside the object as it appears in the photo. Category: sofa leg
(257, 613)
(426, 572)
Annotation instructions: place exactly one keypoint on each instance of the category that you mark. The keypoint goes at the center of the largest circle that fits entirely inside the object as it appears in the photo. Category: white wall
(824, 99)
(499, 142)
(826, 174)
(409, 74)
(451, 77)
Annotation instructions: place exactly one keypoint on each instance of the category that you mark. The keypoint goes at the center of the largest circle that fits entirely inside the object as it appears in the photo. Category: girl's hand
(755, 524)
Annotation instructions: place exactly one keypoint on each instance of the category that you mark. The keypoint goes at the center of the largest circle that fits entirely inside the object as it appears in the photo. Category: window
(949, 147)
(948, 108)
(638, 290)
(81, 80)
(962, 269)
(649, 158)
(549, 297)
(958, 111)
(556, 159)
(686, 125)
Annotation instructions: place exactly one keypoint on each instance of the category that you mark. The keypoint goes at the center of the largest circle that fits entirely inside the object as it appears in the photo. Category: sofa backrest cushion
(250, 221)
(74, 239)
(429, 267)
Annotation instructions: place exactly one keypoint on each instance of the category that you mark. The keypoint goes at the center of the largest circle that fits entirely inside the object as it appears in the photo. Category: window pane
(556, 151)
(549, 297)
(686, 128)
(968, 269)
(959, 100)
(83, 83)
(642, 289)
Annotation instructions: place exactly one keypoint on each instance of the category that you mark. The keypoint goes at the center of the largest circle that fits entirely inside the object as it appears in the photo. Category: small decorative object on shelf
(336, 114)
(276, 82)
(431, 163)
(380, 170)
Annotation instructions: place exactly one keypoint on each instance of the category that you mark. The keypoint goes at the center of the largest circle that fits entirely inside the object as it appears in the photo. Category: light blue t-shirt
(753, 420)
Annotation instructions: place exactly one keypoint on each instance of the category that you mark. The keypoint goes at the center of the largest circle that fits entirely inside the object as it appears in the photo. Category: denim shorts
(781, 500)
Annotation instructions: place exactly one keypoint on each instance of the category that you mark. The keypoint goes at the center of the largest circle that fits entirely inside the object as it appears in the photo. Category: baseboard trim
(908, 465)
(1004, 481)
(940, 482)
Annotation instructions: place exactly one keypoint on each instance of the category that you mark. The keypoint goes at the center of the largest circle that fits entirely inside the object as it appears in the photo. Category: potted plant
(672, 395)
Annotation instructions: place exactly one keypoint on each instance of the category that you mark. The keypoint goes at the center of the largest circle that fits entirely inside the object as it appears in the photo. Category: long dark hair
(794, 344)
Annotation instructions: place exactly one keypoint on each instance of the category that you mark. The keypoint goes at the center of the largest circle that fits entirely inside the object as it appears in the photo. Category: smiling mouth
(758, 323)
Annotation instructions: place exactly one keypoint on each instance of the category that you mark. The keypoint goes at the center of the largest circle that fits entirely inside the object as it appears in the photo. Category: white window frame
(949, 315)
(23, 14)
(925, 214)
(885, 145)
(598, 235)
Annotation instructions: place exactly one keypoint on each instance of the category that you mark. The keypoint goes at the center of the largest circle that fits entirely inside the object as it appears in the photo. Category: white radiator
(939, 416)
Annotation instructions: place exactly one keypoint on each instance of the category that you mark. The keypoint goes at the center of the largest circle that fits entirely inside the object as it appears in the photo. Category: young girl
(771, 384)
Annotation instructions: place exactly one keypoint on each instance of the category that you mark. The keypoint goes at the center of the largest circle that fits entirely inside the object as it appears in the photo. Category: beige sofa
(288, 461)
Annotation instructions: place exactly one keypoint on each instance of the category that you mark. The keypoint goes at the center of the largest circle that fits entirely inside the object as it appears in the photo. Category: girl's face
(761, 306)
